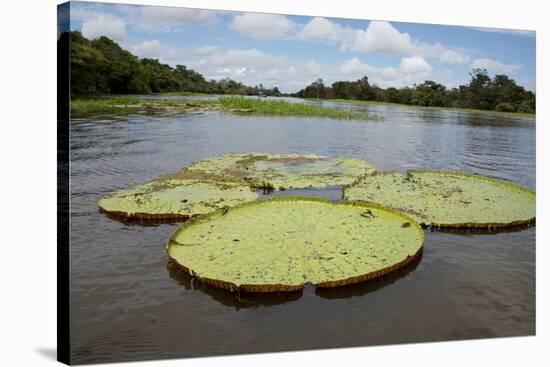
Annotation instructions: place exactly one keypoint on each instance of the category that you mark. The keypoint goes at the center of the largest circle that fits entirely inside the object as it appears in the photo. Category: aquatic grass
(108, 104)
(283, 108)
(238, 105)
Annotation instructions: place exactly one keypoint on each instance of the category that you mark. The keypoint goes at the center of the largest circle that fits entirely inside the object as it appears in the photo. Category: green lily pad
(449, 199)
(280, 244)
(175, 199)
(229, 180)
(282, 171)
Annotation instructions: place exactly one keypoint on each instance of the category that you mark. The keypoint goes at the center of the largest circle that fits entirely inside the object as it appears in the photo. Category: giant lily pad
(448, 199)
(282, 243)
(175, 199)
(283, 170)
(229, 180)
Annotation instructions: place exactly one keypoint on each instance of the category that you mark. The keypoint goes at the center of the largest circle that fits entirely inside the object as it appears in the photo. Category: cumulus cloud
(495, 66)
(384, 38)
(251, 66)
(380, 37)
(262, 27)
(105, 24)
(154, 49)
(411, 70)
(414, 65)
(169, 17)
(323, 29)
(453, 57)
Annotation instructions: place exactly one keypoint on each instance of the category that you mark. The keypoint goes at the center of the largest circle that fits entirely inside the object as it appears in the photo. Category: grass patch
(239, 105)
(89, 105)
(531, 116)
(282, 108)
(129, 104)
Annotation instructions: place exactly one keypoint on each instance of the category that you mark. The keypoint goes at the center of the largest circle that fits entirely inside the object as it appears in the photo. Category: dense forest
(101, 66)
(499, 93)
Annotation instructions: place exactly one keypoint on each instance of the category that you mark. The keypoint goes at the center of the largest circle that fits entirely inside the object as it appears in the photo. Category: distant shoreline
(121, 103)
(530, 116)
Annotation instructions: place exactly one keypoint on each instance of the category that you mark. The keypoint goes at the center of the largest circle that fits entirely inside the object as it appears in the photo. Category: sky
(290, 52)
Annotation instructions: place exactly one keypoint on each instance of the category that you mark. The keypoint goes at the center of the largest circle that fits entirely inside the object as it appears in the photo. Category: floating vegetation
(449, 199)
(237, 105)
(174, 199)
(232, 179)
(273, 107)
(280, 244)
(284, 171)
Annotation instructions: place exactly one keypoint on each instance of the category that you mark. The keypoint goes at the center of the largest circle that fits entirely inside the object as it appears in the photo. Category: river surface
(127, 303)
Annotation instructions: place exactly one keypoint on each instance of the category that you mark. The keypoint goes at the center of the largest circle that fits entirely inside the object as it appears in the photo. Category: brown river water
(128, 304)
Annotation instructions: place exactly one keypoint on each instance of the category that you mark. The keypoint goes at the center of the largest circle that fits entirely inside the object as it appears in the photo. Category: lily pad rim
(160, 217)
(456, 226)
(266, 288)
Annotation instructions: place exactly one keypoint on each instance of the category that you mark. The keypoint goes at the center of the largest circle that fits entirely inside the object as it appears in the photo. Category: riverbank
(130, 104)
(530, 116)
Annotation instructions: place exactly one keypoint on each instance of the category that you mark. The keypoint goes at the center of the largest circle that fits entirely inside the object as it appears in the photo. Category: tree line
(482, 92)
(101, 66)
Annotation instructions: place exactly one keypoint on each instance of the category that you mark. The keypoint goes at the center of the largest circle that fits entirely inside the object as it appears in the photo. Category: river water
(127, 303)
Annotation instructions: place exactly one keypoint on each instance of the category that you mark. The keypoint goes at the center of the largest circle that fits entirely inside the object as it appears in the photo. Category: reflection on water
(128, 304)
(227, 298)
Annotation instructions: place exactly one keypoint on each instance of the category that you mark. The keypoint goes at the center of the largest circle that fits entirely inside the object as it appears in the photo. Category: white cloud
(168, 17)
(251, 59)
(150, 49)
(313, 67)
(105, 25)
(355, 66)
(252, 66)
(262, 27)
(380, 37)
(411, 70)
(494, 66)
(453, 57)
(517, 32)
(154, 49)
(206, 50)
(323, 29)
(414, 65)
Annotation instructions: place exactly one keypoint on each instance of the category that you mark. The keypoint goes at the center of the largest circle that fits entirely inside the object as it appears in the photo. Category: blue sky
(292, 51)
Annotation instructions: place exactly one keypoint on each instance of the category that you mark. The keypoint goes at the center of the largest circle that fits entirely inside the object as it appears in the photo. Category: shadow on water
(483, 231)
(251, 300)
(231, 299)
(369, 286)
(141, 222)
